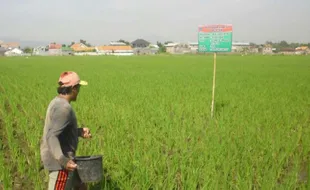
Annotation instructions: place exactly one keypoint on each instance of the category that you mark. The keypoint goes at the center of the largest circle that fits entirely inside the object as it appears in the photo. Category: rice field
(150, 119)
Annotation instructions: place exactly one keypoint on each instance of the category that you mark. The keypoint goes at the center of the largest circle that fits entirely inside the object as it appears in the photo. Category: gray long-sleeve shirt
(60, 135)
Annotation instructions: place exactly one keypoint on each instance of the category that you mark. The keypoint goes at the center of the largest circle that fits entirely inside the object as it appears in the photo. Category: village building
(2, 51)
(238, 47)
(115, 50)
(14, 52)
(9, 45)
(178, 48)
(54, 49)
(303, 50)
(140, 43)
(193, 47)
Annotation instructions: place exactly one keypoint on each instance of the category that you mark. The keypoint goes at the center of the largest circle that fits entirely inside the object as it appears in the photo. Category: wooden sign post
(213, 87)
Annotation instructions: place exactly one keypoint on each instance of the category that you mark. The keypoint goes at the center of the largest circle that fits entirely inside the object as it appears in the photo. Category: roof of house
(15, 50)
(55, 46)
(287, 49)
(303, 48)
(154, 46)
(78, 45)
(10, 45)
(140, 42)
(240, 43)
(117, 44)
(114, 48)
(83, 48)
(171, 44)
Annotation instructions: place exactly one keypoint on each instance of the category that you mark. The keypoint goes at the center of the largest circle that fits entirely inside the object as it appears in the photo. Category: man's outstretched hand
(71, 166)
(85, 133)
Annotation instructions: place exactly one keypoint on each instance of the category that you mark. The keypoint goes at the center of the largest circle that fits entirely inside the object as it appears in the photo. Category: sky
(101, 21)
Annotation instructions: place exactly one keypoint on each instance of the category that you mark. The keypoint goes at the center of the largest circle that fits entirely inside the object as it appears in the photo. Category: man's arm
(60, 119)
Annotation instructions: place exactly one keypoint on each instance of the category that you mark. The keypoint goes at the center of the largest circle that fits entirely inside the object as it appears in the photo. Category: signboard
(215, 38)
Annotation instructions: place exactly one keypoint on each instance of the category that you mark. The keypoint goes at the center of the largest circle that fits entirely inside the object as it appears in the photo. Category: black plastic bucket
(89, 168)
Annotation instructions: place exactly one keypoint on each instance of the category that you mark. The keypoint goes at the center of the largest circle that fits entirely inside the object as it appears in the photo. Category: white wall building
(193, 46)
(239, 46)
(117, 44)
(14, 52)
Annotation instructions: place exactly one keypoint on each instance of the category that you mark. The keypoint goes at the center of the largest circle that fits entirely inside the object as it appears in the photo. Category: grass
(150, 118)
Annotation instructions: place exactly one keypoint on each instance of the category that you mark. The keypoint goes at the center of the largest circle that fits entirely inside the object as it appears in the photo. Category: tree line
(282, 44)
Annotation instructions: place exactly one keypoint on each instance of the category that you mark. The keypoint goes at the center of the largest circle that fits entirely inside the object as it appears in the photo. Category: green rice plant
(150, 119)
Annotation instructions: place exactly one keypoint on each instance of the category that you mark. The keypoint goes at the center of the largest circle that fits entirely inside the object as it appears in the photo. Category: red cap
(70, 78)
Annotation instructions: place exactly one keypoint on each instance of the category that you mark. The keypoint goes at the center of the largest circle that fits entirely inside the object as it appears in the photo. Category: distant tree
(284, 44)
(28, 50)
(294, 45)
(123, 41)
(64, 45)
(167, 42)
(162, 48)
(84, 42)
(253, 44)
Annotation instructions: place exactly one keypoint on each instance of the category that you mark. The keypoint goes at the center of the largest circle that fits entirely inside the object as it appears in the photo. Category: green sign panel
(215, 38)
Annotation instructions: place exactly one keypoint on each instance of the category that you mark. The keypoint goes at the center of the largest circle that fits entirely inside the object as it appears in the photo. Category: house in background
(240, 47)
(40, 50)
(267, 49)
(303, 50)
(78, 46)
(182, 48)
(178, 48)
(287, 51)
(140, 43)
(117, 44)
(2, 51)
(170, 47)
(143, 47)
(54, 49)
(9, 45)
(82, 49)
(154, 49)
(14, 52)
(65, 50)
(253, 49)
(193, 46)
(151, 49)
(115, 50)
(85, 51)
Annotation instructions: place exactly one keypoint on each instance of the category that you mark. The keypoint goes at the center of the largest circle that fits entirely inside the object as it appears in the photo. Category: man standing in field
(60, 136)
